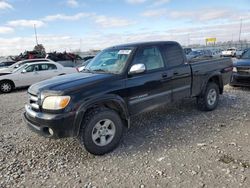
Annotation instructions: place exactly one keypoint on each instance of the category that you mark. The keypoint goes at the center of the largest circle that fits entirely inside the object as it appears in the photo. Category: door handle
(164, 75)
(176, 73)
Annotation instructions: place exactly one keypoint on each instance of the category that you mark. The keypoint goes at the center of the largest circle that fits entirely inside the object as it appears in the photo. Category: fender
(214, 74)
(119, 101)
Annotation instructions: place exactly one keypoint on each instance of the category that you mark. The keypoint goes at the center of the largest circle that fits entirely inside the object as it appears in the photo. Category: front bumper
(240, 80)
(62, 125)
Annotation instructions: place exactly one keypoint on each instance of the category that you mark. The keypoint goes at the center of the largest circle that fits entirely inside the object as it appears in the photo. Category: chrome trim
(33, 98)
(34, 105)
(30, 112)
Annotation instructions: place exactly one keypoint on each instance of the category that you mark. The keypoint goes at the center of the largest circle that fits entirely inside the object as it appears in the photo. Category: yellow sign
(213, 40)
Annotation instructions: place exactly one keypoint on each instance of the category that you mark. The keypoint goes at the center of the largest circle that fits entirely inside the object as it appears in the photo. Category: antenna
(35, 34)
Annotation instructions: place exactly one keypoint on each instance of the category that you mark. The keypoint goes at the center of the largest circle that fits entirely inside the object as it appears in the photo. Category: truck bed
(203, 68)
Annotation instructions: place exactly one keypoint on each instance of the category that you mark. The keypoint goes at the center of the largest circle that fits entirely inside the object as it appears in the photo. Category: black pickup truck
(120, 82)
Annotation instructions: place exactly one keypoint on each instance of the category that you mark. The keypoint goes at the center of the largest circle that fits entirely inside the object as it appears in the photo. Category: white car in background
(20, 63)
(230, 52)
(31, 73)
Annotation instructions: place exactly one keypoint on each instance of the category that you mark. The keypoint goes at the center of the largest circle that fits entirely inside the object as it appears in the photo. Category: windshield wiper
(99, 70)
(86, 70)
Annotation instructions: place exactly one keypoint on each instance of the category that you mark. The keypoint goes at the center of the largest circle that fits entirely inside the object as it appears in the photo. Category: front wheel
(101, 131)
(209, 100)
(6, 87)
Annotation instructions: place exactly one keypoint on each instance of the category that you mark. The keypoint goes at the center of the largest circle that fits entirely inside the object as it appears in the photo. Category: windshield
(246, 55)
(110, 61)
(20, 68)
(16, 65)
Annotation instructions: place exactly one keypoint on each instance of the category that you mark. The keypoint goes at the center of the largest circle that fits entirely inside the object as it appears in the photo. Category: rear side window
(174, 55)
(45, 67)
(151, 57)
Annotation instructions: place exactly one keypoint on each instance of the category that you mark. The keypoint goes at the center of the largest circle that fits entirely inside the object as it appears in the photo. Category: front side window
(110, 61)
(32, 68)
(150, 57)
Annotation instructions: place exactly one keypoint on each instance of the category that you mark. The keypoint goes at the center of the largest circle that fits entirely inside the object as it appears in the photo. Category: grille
(243, 70)
(34, 102)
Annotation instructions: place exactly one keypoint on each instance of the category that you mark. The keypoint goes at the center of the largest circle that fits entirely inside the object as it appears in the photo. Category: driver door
(29, 76)
(152, 88)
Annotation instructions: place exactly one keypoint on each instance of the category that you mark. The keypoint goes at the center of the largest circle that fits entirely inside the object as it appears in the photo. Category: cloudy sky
(95, 24)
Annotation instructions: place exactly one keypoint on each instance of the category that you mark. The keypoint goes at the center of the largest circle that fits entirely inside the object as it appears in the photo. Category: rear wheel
(101, 131)
(209, 100)
(6, 87)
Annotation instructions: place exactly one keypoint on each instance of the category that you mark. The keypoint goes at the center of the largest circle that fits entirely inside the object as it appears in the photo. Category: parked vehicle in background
(20, 63)
(30, 73)
(199, 53)
(194, 54)
(187, 50)
(230, 52)
(241, 70)
(82, 66)
(118, 83)
(6, 64)
(215, 52)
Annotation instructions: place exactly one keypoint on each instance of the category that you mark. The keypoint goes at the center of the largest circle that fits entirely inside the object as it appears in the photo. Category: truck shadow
(161, 129)
(173, 126)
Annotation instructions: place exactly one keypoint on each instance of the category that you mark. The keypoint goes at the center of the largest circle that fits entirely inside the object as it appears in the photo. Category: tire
(92, 133)
(6, 86)
(209, 100)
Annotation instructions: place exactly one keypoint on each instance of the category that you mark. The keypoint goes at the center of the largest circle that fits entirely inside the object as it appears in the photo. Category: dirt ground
(173, 146)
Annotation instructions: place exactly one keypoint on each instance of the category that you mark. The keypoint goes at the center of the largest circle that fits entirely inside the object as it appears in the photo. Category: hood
(67, 83)
(242, 63)
(5, 70)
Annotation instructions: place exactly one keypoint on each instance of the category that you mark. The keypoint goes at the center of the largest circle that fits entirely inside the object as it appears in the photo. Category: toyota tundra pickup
(120, 82)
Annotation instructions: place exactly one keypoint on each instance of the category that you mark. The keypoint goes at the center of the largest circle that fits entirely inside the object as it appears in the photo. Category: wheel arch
(8, 80)
(114, 102)
(216, 78)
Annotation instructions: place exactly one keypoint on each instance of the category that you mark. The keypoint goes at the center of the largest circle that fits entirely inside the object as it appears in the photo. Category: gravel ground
(174, 146)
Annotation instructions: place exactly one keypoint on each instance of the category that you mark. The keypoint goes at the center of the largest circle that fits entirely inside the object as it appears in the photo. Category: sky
(95, 24)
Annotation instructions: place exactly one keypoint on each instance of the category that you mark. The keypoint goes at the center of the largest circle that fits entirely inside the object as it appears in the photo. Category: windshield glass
(246, 55)
(16, 65)
(20, 68)
(110, 61)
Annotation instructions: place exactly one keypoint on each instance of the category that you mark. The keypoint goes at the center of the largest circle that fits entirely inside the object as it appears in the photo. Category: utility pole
(240, 29)
(35, 34)
(80, 44)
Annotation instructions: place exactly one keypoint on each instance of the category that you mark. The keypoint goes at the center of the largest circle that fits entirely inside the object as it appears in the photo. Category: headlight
(234, 69)
(56, 102)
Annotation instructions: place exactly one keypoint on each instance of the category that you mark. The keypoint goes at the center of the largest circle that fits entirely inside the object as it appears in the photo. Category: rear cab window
(174, 55)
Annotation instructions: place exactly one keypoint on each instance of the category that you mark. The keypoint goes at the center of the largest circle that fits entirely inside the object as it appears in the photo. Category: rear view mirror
(136, 69)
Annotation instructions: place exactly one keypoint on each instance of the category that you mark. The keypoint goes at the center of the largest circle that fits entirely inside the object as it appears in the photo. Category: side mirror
(136, 69)
(23, 71)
